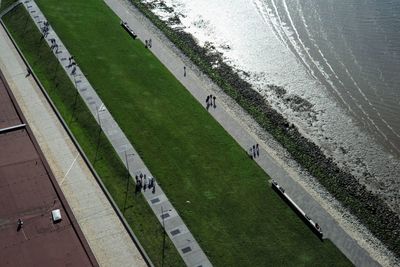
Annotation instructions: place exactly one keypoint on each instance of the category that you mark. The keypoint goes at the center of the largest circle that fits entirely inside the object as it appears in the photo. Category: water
(343, 57)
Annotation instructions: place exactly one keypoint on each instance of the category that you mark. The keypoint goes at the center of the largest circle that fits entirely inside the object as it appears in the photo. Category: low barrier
(128, 29)
(310, 223)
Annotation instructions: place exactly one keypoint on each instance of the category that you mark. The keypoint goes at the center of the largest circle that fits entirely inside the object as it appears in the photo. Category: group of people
(143, 182)
(148, 43)
(71, 61)
(254, 151)
(45, 29)
(210, 101)
(54, 44)
(73, 64)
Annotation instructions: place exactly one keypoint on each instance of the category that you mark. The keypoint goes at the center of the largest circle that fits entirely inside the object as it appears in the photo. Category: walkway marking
(22, 229)
(70, 167)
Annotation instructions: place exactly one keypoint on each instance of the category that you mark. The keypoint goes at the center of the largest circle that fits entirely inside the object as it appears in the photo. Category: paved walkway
(176, 229)
(104, 231)
(200, 87)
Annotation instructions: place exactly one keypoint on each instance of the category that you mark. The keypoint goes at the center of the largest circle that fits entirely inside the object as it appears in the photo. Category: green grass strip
(221, 195)
(6, 3)
(82, 124)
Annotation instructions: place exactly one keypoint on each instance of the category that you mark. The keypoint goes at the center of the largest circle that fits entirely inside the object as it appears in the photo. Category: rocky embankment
(372, 211)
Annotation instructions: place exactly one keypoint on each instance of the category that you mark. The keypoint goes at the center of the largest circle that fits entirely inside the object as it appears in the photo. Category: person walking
(214, 97)
(20, 224)
(184, 71)
(29, 72)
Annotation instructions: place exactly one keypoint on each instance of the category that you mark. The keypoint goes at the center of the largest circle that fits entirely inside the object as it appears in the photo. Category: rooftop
(29, 192)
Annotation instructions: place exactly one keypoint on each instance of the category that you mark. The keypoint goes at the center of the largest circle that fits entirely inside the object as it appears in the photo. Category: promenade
(199, 87)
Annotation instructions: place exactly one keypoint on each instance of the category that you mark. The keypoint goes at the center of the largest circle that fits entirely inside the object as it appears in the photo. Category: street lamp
(164, 234)
(128, 177)
(98, 136)
(76, 97)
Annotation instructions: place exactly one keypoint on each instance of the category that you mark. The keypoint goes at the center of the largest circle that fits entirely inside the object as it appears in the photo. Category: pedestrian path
(176, 229)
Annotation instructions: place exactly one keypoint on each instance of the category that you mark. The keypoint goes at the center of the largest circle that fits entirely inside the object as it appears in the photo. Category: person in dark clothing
(29, 72)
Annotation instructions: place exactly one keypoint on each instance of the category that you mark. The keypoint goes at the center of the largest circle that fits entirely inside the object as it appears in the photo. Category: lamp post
(164, 234)
(76, 97)
(128, 178)
(98, 136)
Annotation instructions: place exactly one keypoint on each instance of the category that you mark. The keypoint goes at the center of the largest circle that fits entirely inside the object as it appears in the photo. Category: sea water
(341, 57)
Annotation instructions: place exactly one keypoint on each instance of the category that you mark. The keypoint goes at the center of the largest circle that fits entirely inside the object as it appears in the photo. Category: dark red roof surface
(28, 191)
(8, 114)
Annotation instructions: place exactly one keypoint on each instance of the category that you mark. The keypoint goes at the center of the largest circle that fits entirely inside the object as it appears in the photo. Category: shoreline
(354, 197)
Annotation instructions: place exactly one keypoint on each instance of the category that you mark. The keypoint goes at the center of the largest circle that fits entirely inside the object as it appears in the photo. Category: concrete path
(104, 231)
(200, 87)
(176, 229)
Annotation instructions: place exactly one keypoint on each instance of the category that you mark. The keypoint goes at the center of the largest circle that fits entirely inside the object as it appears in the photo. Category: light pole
(164, 234)
(98, 136)
(76, 98)
(128, 178)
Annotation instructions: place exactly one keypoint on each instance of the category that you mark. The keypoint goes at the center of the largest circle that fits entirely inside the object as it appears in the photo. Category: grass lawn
(5, 3)
(233, 212)
(85, 129)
